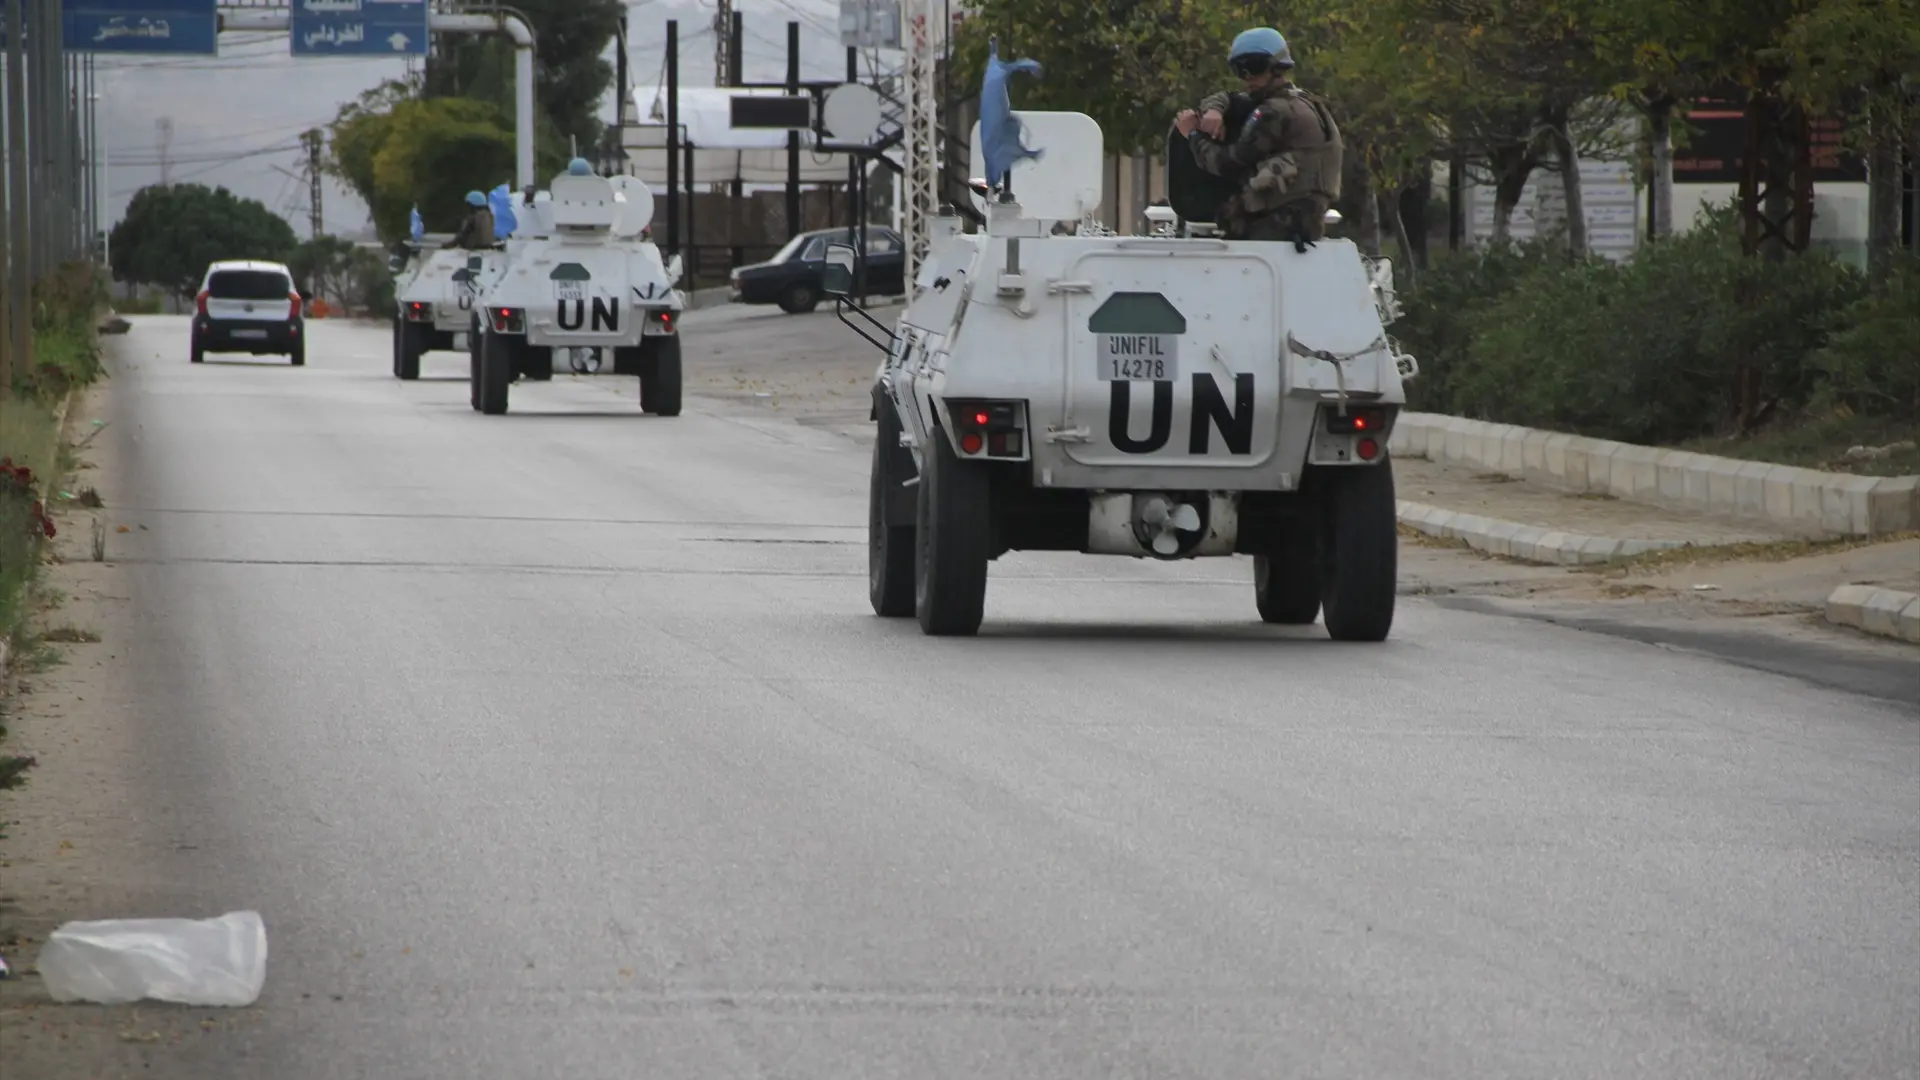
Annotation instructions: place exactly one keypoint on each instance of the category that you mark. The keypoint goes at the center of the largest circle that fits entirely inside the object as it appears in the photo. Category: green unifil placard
(570, 272)
(1137, 313)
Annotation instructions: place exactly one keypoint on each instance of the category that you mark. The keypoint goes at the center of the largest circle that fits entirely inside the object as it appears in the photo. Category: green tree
(1129, 64)
(570, 74)
(170, 232)
(397, 152)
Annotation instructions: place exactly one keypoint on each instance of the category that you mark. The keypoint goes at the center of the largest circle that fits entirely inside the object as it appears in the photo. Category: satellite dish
(851, 113)
(636, 213)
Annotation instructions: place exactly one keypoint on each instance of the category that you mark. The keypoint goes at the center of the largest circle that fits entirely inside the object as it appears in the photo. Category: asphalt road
(564, 744)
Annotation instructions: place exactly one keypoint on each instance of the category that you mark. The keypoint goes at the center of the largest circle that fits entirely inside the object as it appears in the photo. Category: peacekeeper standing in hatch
(1288, 156)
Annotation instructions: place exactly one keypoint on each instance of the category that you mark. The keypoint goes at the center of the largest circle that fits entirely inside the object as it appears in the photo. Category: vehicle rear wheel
(413, 342)
(799, 299)
(890, 548)
(1361, 563)
(298, 354)
(660, 375)
(199, 354)
(1286, 582)
(497, 356)
(474, 342)
(953, 542)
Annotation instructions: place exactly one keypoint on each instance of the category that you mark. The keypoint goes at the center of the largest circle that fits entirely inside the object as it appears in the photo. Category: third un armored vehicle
(1168, 396)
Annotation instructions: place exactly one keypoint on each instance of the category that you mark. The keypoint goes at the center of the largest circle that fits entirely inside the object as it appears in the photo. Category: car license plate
(250, 334)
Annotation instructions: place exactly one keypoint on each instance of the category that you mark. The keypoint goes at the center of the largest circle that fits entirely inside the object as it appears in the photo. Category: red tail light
(294, 299)
(200, 302)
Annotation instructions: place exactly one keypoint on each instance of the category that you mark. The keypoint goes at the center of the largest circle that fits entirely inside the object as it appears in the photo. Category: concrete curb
(1528, 543)
(1886, 612)
(1836, 503)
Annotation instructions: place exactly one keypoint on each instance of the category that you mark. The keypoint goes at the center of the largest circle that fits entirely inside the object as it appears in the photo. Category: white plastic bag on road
(219, 961)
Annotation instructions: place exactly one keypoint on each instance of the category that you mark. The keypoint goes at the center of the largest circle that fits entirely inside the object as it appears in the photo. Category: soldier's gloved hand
(1212, 124)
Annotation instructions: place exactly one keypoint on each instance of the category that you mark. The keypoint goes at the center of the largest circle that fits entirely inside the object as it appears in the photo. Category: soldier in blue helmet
(477, 230)
(1287, 155)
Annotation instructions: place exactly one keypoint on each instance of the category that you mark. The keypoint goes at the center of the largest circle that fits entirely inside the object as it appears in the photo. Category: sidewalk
(1624, 548)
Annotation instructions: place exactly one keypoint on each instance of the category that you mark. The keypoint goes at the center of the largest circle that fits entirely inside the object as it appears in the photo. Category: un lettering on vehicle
(576, 309)
(1211, 409)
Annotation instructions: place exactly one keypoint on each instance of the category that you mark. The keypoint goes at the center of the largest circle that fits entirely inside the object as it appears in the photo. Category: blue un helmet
(1257, 50)
(474, 198)
(579, 167)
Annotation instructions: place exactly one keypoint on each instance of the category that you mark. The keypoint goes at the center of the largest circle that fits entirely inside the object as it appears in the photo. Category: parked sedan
(792, 277)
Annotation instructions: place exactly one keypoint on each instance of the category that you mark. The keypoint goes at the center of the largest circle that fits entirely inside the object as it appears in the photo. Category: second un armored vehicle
(577, 290)
(435, 290)
(1167, 396)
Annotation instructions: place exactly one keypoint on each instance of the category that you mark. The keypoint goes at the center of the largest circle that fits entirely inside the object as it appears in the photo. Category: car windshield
(787, 250)
(249, 285)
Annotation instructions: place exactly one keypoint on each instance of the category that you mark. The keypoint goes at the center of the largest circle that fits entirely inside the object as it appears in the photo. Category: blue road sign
(359, 27)
(190, 27)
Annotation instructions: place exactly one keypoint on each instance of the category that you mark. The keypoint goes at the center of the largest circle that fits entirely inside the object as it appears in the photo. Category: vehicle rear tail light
(1368, 449)
(1357, 421)
(200, 302)
(505, 320)
(665, 319)
(417, 311)
(989, 427)
(293, 298)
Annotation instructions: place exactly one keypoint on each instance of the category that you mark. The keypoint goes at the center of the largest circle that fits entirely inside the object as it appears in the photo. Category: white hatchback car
(249, 306)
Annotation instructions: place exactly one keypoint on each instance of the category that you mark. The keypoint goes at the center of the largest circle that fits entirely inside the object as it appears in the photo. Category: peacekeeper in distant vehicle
(477, 231)
(1288, 156)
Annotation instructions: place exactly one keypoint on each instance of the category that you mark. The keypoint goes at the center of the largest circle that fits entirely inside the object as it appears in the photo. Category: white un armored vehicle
(1166, 396)
(435, 290)
(581, 294)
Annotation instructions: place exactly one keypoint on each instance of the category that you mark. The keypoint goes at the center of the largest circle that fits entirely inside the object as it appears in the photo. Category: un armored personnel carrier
(1172, 395)
(435, 291)
(580, 292)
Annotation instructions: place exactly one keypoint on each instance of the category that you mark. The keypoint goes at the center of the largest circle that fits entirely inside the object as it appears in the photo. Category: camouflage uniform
(476, 232)
(1288, 157)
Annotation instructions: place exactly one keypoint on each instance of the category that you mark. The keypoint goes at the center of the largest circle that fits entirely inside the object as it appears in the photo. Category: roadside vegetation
(34, 458)
(1671, 347)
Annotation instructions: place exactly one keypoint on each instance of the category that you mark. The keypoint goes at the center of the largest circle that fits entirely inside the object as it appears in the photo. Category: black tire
(660, 382)
(199, 354)
(1286, 583)
(298, 355)
(497, 356)
(890, 548)
(1361, 567)
(534, 364)
(399, 327)
(799, 299)
(954, 542)
(474, 340)
(413, 342)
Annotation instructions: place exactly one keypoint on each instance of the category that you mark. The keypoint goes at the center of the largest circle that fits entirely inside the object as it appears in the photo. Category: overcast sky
(236, 119)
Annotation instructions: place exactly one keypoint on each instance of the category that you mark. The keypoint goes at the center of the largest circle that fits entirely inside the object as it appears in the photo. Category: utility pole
(315, 219)
(722, 38)
(165, 126)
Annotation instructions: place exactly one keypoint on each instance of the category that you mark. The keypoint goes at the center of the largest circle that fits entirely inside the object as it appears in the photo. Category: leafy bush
(66, 347)
(1871, 367)
(1687, 339)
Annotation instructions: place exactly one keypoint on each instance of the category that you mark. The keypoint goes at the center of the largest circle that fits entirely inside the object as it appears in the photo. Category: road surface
(564, 744)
